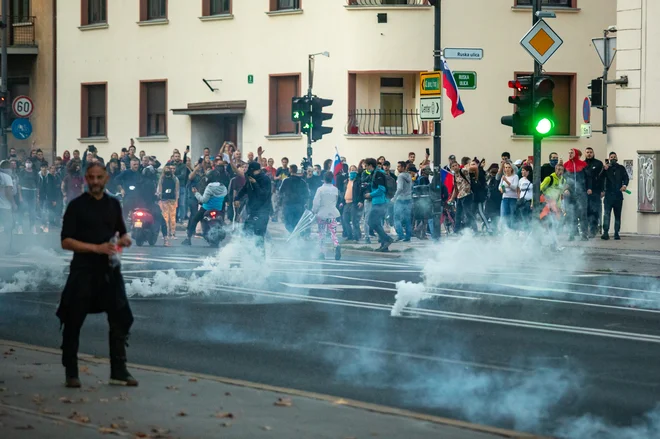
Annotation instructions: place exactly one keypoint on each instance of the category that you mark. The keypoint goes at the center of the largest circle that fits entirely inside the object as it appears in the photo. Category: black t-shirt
(92, 221)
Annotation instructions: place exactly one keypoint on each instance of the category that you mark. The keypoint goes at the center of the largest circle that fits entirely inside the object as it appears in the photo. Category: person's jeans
(508, 211)
(351, 221)
(402, 219)
(28, 206)
(594, 212)
(181, 208)
(616, 206)
(375, 221)
(367, 215)
(481, 211)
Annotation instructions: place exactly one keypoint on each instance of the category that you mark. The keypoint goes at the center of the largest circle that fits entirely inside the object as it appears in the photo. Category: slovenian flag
(338, 166)
(448, 179)
(449, 84)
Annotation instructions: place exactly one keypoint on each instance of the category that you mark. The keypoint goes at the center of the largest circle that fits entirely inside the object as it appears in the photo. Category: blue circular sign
(586, 110)
(21, 129)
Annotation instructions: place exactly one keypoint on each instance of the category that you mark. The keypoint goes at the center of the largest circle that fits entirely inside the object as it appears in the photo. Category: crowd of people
(370, 199)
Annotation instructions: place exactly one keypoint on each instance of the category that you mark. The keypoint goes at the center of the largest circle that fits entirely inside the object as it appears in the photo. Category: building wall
(637, 126)
(187, 49)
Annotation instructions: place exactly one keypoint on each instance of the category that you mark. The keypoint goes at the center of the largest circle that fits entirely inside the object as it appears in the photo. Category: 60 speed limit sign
(23, 106)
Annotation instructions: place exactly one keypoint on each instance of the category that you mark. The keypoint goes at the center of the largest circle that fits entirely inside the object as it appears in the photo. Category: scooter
(212, 227)
(144, 227)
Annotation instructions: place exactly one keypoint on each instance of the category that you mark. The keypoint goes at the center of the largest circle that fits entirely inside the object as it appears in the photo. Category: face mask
(554, 162)
(352, 175)
(28, 165)
(316, 173)
(613, 161)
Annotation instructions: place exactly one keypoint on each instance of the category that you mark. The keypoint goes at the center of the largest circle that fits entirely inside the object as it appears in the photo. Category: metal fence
(385, 123)
(21, 31)
(387, 2)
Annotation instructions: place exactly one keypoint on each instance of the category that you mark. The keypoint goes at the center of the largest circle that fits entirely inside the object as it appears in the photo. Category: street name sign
(23, 106)
(541, 42)
(430, 83)
(466, 80)
(451, 53)
(605, 57)
(431, 108)
(585, 130)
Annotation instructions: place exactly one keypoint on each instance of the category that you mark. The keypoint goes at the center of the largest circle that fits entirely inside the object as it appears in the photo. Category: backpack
(391, 186)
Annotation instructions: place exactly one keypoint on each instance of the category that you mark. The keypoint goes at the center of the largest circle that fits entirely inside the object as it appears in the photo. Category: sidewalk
(169, 404)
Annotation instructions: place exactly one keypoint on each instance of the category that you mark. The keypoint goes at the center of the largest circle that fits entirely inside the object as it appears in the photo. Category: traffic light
(544, 121)
(3, 100)
(596, 88)
(520, 121)
(301, 113)
(318, 116)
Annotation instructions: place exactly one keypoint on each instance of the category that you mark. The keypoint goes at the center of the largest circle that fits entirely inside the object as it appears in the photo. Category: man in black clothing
(259, 207)
(294, 194)
(95, 283)
(548, 168)
(616, 183)
(594, 188)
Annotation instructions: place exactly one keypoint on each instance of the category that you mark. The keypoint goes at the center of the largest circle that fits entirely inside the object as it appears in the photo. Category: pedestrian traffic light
(318, 117)
(520, 121)
(596, 88)
(544, 122)
(300, 112)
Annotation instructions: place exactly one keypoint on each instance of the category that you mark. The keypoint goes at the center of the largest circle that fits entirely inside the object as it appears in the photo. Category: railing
(20, 30)
(385, 123)
(387, 2)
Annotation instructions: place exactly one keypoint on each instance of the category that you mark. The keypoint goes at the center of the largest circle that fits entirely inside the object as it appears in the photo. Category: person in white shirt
(7, 201)
(525, 193)
(509, 190)
(325, 208)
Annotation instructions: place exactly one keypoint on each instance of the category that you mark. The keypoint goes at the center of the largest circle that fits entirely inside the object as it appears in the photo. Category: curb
(292, 392)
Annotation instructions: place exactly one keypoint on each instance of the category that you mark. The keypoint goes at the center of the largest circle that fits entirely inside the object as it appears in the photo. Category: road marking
(341, 287)
(56, 305)
(425, 357)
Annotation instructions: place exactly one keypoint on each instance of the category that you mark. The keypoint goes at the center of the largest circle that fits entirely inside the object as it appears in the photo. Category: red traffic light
(516, 85)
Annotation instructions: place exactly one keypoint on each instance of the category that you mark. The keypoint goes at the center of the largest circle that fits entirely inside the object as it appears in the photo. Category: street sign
(463, 53)
(585, 130)
(541, 42)
(466, 80)
(430, 83)
(586, 110)
(22, 106)
(605, 58)
(21, 129)
(431, 108)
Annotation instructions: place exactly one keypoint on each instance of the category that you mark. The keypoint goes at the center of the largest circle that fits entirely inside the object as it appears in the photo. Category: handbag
(521, 203)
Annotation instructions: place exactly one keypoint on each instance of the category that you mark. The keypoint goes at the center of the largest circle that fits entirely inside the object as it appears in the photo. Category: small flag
(449, 84)
(338, 166)
(448, 179)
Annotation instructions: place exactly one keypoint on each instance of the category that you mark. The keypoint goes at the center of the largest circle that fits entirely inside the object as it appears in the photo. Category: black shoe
(605, 237)
(617, 237)
(119, 376)
(72, 380)
(186, 242)
(337, 253)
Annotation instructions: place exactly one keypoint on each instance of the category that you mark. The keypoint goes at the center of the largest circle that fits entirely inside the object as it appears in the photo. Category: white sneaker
(19, 230)
(45, 229)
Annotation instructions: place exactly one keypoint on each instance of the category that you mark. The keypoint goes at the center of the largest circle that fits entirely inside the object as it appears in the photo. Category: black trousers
(594, 208)
(616, 206)
(119, 321)
(351, 221)
(256, 225)
(194, 220)
(292, 214)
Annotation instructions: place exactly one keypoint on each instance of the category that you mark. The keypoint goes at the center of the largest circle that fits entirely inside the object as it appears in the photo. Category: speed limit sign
(23, 106)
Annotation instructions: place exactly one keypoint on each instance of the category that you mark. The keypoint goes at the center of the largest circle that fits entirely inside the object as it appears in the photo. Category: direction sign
(430, 83)
(22, 106)
(585, 130)
(21, 129)
(586, 110)
(463, 53)
(541, 42)
(431, 108)
(466, 80)
(606, 56)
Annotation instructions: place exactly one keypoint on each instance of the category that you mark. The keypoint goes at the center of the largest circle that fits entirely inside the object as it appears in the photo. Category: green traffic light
(544, 126)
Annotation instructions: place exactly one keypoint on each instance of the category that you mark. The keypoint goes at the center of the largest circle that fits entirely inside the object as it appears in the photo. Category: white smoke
(408, 294)
(588, 427)
(48, 272)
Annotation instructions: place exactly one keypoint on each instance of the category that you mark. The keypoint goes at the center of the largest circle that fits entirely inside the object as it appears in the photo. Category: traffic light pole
(538, 71)
(437, 66)
(4, 151)
(310, 73)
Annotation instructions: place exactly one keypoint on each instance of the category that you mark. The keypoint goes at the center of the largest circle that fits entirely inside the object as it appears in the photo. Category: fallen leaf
(172, 388)
(115, 426)
(66, 400)
(224, 415)
(283, 402)
(193, 394)
(341, 401)
(159, 432)
(267, 428)
(193, 380)
(79, 417)
(37, 399)
(83, 400)
(182, 413)
(27, 376)
(104, 400)
(123, 396)
(24, 427)
(49, 412)
(226, 424)
(85, 370)
(140, 434)
(105, 430)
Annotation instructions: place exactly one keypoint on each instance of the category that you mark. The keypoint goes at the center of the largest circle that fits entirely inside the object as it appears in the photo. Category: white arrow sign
(431, 108)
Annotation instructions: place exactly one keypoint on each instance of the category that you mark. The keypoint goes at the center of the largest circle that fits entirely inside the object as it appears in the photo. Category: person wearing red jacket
(576, 178)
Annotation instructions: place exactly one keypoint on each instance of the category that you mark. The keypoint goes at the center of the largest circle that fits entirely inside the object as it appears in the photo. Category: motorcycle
(144, 227)
(212, 227)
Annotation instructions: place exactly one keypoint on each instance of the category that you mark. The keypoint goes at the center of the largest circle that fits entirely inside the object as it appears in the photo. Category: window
(282, 90)
(284, 5)
(153, 10)
(153, 108)
(564, 96)
(550, 3)
(93, 12)
(93, 110)
(216, 7)
(20, 10)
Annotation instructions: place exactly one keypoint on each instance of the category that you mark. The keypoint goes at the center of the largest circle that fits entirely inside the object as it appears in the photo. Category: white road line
(341, 287)
(424, 357)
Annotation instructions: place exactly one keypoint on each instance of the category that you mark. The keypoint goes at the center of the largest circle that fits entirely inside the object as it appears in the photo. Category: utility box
(648, 181)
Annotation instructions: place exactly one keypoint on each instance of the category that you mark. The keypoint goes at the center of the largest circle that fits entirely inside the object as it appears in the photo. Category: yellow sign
(541, 42)
(430, 83)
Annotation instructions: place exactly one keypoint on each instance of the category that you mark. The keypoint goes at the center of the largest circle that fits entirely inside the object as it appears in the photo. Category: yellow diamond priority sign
(541, 42)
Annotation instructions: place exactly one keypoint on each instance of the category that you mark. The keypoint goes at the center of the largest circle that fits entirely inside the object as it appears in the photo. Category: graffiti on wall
(646, 180)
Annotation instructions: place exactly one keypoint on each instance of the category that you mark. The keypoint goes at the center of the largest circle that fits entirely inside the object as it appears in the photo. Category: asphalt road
(497, 347)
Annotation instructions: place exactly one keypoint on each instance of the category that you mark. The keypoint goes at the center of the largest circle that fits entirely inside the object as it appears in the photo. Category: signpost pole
(310, 73)
(606, 68)
(4, 113)
(437, 66)
(536, 193)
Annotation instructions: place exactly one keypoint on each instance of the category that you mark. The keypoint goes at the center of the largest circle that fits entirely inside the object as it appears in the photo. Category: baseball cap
(518, 162)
